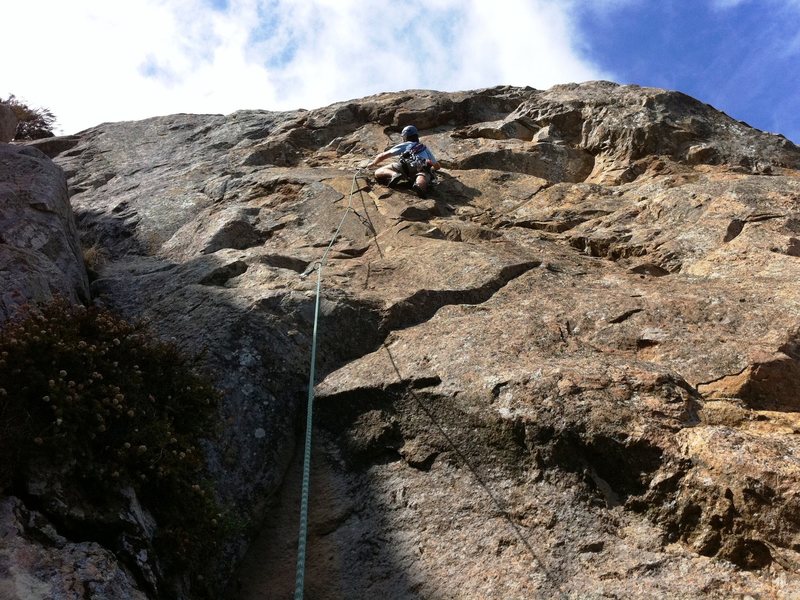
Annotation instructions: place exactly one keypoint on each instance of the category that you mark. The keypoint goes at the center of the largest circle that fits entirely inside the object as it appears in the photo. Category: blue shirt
(404, 146)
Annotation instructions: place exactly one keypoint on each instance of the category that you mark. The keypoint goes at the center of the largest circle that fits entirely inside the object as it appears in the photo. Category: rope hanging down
(303, 536)
(299, 581)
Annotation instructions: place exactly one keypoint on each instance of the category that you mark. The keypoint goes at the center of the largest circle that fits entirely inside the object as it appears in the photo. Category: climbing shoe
(419, 191)
(394, 182)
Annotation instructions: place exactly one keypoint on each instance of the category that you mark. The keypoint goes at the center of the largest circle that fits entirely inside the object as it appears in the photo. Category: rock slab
(40, 254)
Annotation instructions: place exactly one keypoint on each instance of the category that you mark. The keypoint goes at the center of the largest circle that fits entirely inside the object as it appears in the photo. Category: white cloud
(91, 60)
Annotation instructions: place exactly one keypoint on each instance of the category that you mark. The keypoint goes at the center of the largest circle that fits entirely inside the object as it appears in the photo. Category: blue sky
(91, 61)
(741, 57)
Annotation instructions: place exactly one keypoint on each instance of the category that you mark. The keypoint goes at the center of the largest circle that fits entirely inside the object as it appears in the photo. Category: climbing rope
(299, 581)
(303, 534)
(500, 505)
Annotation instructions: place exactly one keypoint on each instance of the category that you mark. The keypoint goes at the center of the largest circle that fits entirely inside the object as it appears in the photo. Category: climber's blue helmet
(408, 131)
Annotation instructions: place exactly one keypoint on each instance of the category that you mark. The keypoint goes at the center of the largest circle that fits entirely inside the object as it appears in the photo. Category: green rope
(299, 580)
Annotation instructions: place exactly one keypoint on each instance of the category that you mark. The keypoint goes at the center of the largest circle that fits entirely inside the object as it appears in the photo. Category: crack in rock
(422, 305)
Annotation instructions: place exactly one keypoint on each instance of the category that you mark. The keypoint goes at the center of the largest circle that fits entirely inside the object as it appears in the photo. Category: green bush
(108, 406)
(33, 123)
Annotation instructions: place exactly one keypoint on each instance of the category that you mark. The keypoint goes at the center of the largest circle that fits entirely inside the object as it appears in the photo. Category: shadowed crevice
(422, 305)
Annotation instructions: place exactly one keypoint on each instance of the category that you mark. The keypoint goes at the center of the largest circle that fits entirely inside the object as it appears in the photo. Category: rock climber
(416, 164)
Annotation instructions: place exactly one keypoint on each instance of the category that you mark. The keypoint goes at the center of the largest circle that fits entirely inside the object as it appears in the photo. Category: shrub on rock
(107, 406)
(32, 123)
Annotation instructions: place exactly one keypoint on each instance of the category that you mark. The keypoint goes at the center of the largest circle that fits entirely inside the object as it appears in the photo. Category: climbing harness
(299, 581)
(412, 162)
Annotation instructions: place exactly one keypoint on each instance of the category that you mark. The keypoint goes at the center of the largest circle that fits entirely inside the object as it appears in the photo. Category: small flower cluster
(110, 406)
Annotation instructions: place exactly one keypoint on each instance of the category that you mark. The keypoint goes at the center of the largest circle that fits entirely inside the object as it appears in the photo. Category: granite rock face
(40, 254)
(572, 372)
(36, 563)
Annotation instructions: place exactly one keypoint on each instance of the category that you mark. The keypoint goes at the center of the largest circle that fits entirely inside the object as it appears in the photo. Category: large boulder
(40, 254)
(37, 563)
(8, 123)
